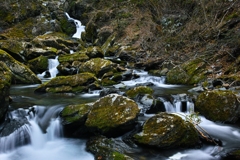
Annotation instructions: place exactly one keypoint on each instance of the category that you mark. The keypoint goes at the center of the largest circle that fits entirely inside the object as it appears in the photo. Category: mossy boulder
(5, 83)
(39, 64)
(90, 32)
(112, 115)
(140, 90)
(36, 52)
(165, 131)
(218, 105)
(73, 118)
(75, 113)
(14, 48)
(96, 66)
(54, 40)
(76, 83)
(190, 72)
(109, 149)
(21, 74)
(94, 52)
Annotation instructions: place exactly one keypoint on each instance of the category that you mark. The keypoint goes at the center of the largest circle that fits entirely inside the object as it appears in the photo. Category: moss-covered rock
(75, 83)
(73, 119)
(36, 52)
(75, 113)
(167, 131)
(39, 64)
(108, 149)
(96, 66)
(112, 115)
(218, 105)
(190, 72)
(70, 58)
(140, 90)
(5, 83)
(94, 52)
(21, 74)
(14, 48)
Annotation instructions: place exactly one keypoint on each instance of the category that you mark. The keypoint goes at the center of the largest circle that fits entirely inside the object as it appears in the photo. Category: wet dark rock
(73, 118)
(107, 91)
(109, 149)
(38, 65)
(5, 83)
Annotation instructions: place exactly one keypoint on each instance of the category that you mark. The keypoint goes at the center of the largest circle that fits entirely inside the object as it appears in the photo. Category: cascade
(78, 25)
(52, 69)
(32, 129)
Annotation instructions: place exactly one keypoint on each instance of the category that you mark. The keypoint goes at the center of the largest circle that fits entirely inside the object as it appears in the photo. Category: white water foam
(50, 145)
(52, 68)
(78, 25)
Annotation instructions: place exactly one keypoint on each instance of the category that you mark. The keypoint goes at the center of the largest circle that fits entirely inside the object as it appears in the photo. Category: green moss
(112, 108)
(218, 105)
(132, 93)
(75, 83)
(118, 156)
(190, 72)
(72, 113)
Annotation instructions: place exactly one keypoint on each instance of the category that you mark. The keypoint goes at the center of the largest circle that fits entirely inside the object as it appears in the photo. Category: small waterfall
(181, 103)
(78, 25)
(52, 69)
(36, 129)
(17, 138)
(145, 79)
(52, 66)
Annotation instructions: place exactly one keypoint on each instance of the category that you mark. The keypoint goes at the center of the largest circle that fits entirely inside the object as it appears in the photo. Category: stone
(112, 115)
(218, 105)
(165, 131)
(74, 83)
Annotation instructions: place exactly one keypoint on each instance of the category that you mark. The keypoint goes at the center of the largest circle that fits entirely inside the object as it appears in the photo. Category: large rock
(76, 83)
(140, 90)
(5, 83)
(70, 63)
(167, 131)
(21, 74)
(112, 115)
(14, 48)
(108, 149)
(190, 72)
(218, 105)
(96, 66)
(39, 64)
(73, 119)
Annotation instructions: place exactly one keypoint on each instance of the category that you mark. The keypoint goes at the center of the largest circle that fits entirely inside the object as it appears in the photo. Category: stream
(48, 142)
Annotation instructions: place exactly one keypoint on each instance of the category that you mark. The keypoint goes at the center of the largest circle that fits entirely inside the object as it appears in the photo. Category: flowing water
(79, 27)
(47, 141)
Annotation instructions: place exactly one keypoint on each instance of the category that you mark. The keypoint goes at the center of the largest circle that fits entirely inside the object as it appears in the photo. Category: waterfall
(78, 25)
(52, 66)
(52, 69)
(181, 103)
(33, 129)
